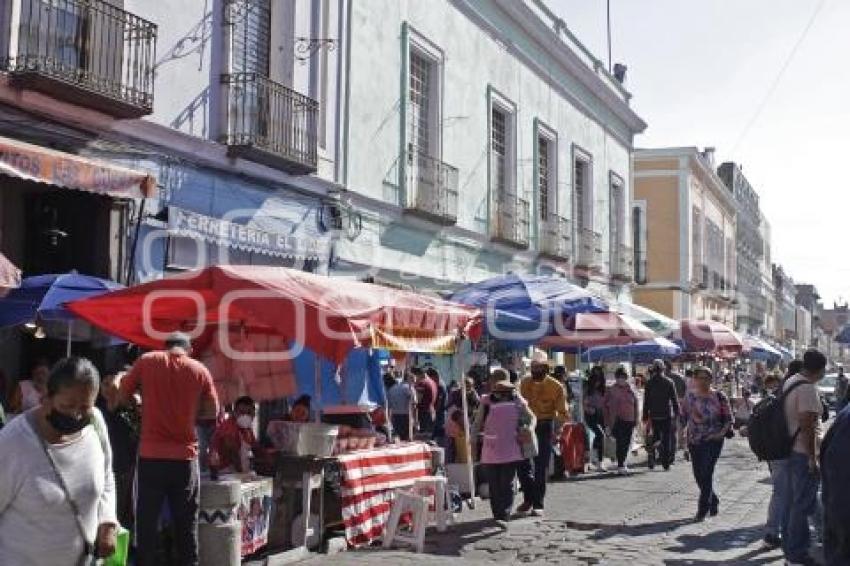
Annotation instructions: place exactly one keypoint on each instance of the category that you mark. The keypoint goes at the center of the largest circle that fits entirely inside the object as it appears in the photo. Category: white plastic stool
(417, 506)
(434, 489)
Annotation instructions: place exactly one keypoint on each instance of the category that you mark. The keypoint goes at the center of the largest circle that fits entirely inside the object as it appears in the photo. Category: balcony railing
(589, 249)
(431, 189)
(87, 52)
(270, 123)
(622, 263)
(510, 221)
(556, 238)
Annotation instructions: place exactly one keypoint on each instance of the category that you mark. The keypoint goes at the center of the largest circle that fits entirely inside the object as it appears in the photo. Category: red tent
(329, 316)
(709, 336)
(586, 330)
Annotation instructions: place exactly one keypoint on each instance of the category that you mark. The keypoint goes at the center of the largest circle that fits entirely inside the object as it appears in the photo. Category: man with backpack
(792, 449)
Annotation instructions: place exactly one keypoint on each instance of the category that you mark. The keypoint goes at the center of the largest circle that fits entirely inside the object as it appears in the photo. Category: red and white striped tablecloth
(368, 480)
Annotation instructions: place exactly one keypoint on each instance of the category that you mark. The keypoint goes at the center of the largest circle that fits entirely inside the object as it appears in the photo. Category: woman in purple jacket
(503, 424)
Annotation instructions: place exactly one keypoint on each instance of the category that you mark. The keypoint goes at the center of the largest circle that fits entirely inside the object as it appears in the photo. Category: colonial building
(687, 221)
(505, 146)
(750, 292)
(785, 296)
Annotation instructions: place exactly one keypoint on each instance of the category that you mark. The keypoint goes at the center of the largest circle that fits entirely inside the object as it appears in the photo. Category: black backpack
(767, 429)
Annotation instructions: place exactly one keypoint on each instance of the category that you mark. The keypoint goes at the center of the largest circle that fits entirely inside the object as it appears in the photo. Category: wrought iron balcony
(589, 249)
(510, 221)
(270, 123)
(87, 52)
(556, 238)
(431, 189)
(622, 263)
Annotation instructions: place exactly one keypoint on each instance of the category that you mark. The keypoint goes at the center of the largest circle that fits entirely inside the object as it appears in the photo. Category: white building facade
(480, 138)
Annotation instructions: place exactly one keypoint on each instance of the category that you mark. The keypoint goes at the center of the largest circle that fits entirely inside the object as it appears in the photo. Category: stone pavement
(643, 519)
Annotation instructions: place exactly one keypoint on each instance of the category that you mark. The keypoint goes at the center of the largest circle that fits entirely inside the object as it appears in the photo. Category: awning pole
(317, 387)
(470, 466)
(68, 343)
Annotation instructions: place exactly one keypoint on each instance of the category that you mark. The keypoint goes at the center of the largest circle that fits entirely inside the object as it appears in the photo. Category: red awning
(586, 330)
(42, 165)
(709, 336)
(327, 315)
(10, 276)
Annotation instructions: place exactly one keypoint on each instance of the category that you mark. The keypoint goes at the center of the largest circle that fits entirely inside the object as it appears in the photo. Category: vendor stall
(315, 324)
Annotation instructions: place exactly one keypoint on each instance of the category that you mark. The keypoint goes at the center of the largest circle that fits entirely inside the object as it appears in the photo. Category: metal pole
(609, 34)
(68, 343)
(470, 466)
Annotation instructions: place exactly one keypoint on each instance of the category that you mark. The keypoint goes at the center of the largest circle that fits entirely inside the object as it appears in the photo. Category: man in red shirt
(426, 395)
(176, 391)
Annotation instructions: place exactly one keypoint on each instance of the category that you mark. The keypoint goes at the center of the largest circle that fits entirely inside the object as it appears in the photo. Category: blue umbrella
(639, 352)
(519, 309)
(42, 298)
(758, 349)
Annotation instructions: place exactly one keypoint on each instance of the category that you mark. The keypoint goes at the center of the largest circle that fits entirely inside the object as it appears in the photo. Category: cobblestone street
(646, 518)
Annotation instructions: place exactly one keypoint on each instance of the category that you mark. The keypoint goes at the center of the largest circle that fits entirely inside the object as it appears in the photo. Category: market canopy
(10, 275)
(709, 336)
(42, 298)
(60, 169)
(757, 349)
(585, 330)
(639, 352)
(521, 309)
(329, 316)
(656, 321)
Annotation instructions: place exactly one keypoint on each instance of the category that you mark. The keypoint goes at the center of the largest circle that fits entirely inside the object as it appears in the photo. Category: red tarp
(329, 316)
(586, 330)
(709, 336)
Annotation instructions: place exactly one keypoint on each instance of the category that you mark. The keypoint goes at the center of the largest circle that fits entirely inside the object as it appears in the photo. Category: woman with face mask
(707, 417)
(234, 443)
(57, 494)
(621, 413)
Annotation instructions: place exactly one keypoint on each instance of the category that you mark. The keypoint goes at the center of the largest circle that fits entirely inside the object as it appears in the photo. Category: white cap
(539, 357)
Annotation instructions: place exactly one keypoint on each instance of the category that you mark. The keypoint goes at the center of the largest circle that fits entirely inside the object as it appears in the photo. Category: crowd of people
(81, 442)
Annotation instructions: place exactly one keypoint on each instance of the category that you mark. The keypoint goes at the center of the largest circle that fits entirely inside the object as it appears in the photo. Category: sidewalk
(643, 519)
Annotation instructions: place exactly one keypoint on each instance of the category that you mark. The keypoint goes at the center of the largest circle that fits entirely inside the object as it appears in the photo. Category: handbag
(88, 557)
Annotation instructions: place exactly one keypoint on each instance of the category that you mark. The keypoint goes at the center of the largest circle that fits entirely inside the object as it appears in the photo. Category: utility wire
(763, 104)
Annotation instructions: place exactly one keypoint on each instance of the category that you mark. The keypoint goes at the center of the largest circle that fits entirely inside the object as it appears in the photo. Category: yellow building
(684, 223)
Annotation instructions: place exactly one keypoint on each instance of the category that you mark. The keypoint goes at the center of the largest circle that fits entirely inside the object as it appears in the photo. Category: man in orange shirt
(176, 391)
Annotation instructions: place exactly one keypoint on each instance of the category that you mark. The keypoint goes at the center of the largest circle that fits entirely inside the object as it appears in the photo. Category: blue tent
(843, 336)
(43, 297)
(360, 380)
(519, 309)
(639, 352)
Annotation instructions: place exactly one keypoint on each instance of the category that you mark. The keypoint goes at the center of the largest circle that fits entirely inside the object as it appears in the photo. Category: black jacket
(659, 398)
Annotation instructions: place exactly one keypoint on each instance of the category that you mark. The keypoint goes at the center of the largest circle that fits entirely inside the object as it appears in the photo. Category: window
(499, 152)
(639, 239)
(696, 242)
(419, 132)
(582, 190)
(546, 174)
(617, 213)
(250, 22)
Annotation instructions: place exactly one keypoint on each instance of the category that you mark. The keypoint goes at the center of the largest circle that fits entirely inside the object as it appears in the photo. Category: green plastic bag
(122, 549)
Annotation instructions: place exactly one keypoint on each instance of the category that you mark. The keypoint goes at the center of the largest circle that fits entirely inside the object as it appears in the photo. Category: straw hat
(540, 357)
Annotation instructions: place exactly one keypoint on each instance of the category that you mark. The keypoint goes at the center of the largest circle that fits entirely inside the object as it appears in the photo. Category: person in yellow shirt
(547, 399)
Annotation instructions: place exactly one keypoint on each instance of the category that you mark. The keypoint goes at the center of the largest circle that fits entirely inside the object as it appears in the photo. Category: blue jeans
(801, 491)
(704, 456)
(777, 509)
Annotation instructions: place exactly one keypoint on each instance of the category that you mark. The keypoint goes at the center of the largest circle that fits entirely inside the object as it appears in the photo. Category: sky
(704, 73)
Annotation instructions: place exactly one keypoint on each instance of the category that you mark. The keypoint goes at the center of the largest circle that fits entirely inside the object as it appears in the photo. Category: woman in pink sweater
(621, 411)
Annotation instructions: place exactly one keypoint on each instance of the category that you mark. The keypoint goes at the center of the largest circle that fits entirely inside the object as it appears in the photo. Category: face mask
(65, 424)
(622, 381)
(245, 421)
(538, 373)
